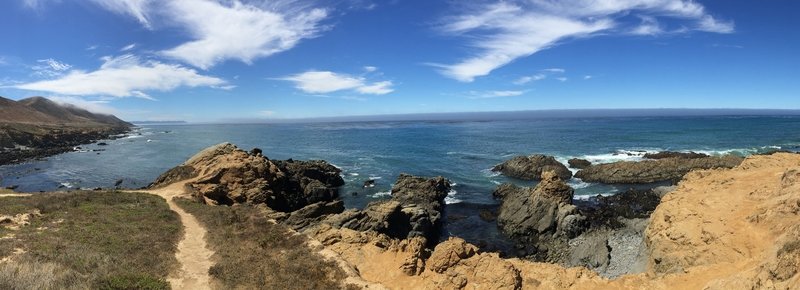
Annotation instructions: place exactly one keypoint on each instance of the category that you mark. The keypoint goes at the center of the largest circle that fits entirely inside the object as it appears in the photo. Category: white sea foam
(449, 199)
(67, 184)
(576, 183)
(353, 174)
(375, 177)
(588, 196)
(619, 155)
(382, 194)
(489, 173)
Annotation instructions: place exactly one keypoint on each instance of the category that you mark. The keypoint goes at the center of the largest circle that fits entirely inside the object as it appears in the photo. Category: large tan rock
(531, 167)
(225, 174)
(650, 171)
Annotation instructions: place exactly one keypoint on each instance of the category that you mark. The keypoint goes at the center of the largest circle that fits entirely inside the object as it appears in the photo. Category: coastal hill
(42, 111)
(38, 127)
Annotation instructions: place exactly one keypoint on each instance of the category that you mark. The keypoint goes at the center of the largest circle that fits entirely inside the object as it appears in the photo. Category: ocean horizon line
(501, 116)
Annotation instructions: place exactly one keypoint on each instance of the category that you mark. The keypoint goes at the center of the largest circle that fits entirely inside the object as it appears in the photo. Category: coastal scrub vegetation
(252, 252)
(88, 240)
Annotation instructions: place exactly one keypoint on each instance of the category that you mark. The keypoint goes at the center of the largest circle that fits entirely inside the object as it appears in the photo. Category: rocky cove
(604, 236)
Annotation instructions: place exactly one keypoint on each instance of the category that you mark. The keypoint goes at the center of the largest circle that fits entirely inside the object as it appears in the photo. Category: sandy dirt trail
(193, 253)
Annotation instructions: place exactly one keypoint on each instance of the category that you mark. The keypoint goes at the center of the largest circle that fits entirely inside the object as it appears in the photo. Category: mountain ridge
(42, 111)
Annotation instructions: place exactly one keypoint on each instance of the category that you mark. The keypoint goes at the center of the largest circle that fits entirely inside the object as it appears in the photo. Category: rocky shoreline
(24, 143)
(542, 223)
(653, 238)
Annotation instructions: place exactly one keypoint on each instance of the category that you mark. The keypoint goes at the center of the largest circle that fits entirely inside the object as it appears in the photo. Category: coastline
(24, 142)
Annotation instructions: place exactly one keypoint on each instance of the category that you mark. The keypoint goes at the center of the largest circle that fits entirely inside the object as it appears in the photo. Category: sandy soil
(193, 254)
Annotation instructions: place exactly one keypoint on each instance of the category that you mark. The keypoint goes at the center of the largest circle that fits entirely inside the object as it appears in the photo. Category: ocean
(463, 151)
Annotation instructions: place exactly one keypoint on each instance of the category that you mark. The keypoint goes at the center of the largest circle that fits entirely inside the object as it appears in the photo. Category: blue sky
(211, 60)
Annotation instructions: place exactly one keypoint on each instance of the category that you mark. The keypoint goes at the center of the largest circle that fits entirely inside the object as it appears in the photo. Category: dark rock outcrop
(545, 210)
(673, 154)
(651, 171)
(415, 210)
(603, 233)
(531, 167)
(578, 163)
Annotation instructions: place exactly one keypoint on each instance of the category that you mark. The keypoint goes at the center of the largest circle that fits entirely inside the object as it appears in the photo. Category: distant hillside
(37, 127)
(41, 111)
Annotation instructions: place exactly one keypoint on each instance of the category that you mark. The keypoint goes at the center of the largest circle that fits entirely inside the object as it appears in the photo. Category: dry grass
(90, 240)
(253, 253)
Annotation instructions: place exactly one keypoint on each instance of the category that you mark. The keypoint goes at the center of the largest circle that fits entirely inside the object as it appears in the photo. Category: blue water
(462, 151)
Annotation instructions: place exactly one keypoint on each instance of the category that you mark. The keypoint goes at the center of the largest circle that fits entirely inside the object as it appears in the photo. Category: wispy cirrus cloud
(139, 9)
(123, 76)
(505, 31)
(323, 82)
(49, 68)
(128, 47)
(541, 75)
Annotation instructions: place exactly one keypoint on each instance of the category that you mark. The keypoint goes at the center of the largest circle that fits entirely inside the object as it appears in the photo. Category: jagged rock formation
(542, 217)
(415, 210)
(650, 171)
(531, 167)
(225, 174)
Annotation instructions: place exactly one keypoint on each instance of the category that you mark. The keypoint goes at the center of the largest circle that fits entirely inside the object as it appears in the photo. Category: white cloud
(224, 30)
(378, 88)
(554, 70)
(587, 77)
(710, 24)
(648, 26)
(49, 68)
(370, 68)
(495, 94)
(138, 9)
(506, 31)
(539, 76)
(124, 76)
(36, 4)
(128, 47)
(266, 113)
(238, 31)
(54, 64)
(527, 79)
(95, 106)
(322, 82)
(561, 79)
(92, 47)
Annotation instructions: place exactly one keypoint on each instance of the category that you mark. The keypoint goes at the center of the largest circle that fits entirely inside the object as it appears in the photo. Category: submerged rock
(578, 163)
(531, 167)
(651, 171)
